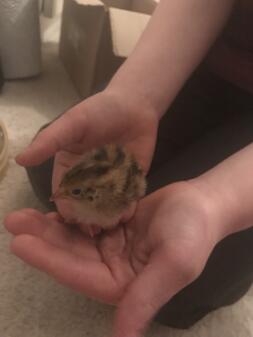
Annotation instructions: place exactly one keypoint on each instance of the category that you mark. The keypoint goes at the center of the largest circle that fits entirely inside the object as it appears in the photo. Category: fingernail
(24, 152)
(20, 156)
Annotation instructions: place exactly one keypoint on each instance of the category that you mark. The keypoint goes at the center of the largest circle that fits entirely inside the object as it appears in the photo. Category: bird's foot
(128, 213)
(94, 230)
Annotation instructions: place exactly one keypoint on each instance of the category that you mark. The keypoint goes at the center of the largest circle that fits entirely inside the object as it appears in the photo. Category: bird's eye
(76, 191)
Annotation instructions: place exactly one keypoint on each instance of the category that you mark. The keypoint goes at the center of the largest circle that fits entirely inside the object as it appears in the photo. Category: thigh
(41, 180)
(228, 273)
(201, 105)
(40, 177)
(227, 276)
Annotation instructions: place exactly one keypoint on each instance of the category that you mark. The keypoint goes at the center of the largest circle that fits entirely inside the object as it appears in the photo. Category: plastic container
(20, 43)
(4, 148)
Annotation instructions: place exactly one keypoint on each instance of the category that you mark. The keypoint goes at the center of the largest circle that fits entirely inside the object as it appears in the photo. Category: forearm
(229, 187)
(176, 39)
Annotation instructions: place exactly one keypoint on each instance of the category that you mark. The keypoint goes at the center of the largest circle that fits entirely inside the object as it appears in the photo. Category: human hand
(139, 266)
(103, 118)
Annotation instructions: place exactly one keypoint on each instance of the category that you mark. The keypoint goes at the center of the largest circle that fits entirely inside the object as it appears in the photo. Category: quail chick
(102, 188)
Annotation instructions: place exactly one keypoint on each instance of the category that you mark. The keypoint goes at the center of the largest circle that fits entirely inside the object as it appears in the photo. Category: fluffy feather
(103, 186)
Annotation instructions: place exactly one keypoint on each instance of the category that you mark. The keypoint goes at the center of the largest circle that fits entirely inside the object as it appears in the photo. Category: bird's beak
(59, 194)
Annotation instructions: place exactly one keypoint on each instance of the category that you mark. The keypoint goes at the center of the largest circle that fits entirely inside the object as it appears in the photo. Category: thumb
(88, 124)
(64, 131)
(154, 287)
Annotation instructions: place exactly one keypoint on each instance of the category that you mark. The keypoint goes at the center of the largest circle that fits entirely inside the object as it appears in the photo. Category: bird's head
(86, 185)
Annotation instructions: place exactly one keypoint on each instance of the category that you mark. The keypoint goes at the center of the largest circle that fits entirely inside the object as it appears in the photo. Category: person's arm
(230, 186)
(177, 37)
(175, 41)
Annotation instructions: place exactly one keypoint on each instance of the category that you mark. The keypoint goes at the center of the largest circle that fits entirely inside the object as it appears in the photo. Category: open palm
(138, 266)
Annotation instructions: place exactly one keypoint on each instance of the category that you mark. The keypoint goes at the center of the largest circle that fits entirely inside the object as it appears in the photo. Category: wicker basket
(4, 148)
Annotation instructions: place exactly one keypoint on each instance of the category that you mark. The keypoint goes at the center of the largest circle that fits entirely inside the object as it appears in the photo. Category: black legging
(209, 120)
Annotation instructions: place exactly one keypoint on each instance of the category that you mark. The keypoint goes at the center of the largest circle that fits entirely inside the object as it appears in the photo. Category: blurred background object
(4, 145)
(20, 46)
(50, 8)
(1, 76)
(96, 38)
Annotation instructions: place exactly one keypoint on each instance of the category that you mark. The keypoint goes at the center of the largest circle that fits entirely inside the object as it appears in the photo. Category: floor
(31, 304)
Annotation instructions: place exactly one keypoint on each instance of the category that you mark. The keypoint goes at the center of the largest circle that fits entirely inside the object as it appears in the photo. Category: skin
(134, 109)
(137, 267)
(165, 246)
(141, 265)
(139, 93)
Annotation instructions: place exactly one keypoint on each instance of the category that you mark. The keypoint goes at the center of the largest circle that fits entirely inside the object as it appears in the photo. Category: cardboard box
(96, 37)
(122, 4)
(144, 6)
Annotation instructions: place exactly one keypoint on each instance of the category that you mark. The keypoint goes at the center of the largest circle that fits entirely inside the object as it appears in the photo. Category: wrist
(133, 97)
(199, 207)
(125, 83)
(223, 207)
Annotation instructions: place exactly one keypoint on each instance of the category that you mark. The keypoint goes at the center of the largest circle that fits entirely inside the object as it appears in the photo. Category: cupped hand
(108, 117)
(138, 266)
(101, 119)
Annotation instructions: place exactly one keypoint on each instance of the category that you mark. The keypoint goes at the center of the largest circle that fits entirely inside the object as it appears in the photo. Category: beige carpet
(31, 304)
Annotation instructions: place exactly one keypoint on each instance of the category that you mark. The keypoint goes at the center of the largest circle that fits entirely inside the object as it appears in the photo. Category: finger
(90, 277)
(154, 287)
(27, 221)
(64, 131)
(55, 217)
(88, 124)
(47, 227)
